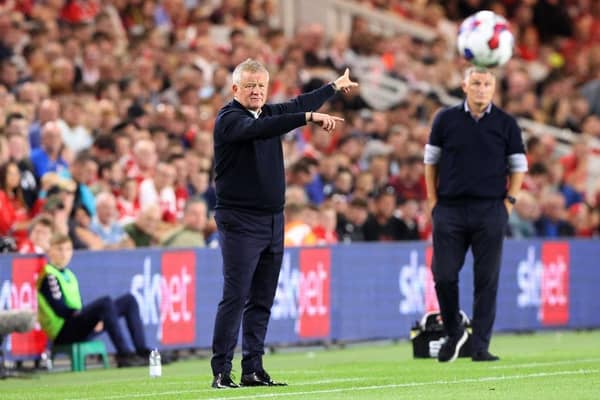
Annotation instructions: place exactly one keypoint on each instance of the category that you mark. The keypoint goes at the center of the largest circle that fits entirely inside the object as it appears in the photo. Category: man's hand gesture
(325, 121)
(344, 83)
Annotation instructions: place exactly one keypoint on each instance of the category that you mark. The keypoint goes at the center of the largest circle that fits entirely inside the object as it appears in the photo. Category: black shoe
(223, 381)
(484, 355)
(451, 347)
(130, 360)
(259, 378)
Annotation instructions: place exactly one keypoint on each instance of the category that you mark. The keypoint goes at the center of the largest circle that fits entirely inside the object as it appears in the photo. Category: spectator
(191, 234)
(104, 148)
(583, 221)
(383, 225)
(350, 226)
(322, 184)
(365, 186)
(408, 213)
(128, 203)
(75, 135)
(557, 182)
(521, 223)
(16, 123)
(84, 171)
(553, 222)
(299, 174)
(18, 150)
(410, 182)
(180, 185)
(536, 152)
(379, 166)
(144, 231)
(343, 182)
(576, 163)
(38, 240)
(14, 213)
(48, 111)
(537, 180)
(4, 156)
(60, 203)
(81, 224)
(296, 231)
(49, 157)
(110, 178)
(105, 223)
(159, 190)
(325, 231)
(142, 165)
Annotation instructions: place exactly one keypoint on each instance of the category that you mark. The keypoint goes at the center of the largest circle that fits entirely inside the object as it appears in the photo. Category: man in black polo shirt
(250, 186)
(472, 149)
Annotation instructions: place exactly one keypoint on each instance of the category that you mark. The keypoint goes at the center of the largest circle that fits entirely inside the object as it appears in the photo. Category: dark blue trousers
(252, 249)
(480, 225)
(81, 326)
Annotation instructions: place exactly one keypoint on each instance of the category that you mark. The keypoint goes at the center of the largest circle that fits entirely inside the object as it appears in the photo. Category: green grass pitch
(551, 365)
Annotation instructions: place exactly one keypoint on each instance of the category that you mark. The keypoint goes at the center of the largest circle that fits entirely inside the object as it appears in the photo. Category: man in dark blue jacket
(473, 148)
(250, 185)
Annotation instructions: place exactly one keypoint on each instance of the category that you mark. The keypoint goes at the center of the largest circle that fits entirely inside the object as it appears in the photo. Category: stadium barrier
(325, 294)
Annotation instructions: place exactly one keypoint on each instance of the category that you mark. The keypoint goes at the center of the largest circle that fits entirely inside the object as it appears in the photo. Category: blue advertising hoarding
(339, 293)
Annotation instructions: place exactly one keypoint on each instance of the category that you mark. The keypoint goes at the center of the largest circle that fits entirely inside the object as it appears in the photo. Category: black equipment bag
(427, 336)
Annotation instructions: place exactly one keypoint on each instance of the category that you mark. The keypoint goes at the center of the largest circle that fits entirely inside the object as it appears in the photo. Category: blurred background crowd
(107, 108)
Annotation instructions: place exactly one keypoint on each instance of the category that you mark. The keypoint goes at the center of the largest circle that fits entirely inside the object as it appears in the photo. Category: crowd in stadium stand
(107, 107)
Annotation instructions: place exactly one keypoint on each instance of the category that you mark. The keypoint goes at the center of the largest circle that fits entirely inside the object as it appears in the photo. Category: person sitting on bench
(66, 320)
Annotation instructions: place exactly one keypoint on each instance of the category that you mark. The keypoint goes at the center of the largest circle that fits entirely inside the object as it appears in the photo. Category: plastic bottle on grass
(46, 358)
(155, 364)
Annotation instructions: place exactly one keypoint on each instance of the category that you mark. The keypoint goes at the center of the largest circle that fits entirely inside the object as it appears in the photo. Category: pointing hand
(344, 83)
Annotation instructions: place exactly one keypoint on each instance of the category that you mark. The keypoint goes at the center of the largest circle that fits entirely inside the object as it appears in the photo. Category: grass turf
(552, 365)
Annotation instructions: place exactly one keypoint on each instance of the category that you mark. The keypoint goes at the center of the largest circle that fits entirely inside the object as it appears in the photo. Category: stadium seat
(78, 352)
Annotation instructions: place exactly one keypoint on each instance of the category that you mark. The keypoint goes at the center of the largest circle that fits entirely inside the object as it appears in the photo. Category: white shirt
(76, 138)
(148, 195)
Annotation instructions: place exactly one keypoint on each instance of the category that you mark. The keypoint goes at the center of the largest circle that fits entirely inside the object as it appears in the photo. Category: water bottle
(155, 365)
(47, 360)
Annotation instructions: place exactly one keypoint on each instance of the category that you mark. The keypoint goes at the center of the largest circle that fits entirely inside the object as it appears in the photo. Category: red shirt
(181, 196)
(12, 210)
(7, 214)
(78, 11)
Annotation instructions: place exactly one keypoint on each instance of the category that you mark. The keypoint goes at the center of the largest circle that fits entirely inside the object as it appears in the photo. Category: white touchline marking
(415, 384)
(355, 388)
(549, 363)
(193, 378)
(321, 382)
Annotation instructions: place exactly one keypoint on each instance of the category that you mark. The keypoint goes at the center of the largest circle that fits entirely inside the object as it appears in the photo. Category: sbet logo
(303, 294)
(169, 299)
(544, 282)
(416, 284)
(529, 279)
(555, 283)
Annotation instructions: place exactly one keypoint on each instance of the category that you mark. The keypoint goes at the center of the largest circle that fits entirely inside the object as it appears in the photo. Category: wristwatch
(511, 199)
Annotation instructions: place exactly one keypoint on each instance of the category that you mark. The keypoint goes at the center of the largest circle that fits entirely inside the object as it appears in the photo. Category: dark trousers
(252, 249)
(480, 225)
(81, 326)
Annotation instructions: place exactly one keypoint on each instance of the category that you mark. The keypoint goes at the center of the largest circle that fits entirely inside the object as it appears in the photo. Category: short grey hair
(478, 70)
(249, 65)
(105, 197)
